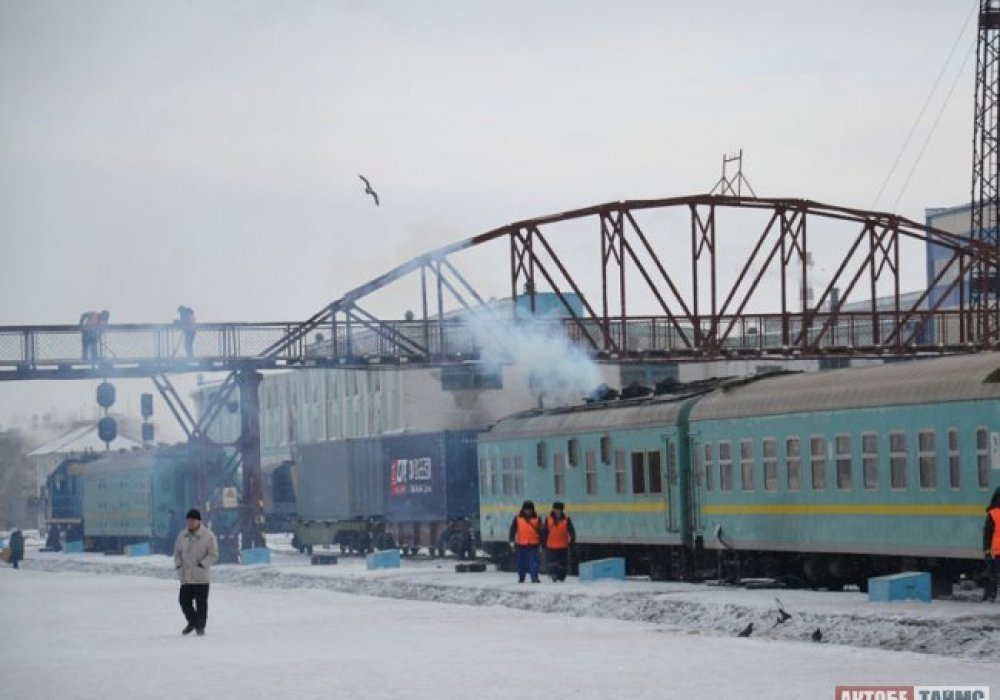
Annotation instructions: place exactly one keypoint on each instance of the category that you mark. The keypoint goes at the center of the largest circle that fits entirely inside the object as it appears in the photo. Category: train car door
(671, 492)
(696, 483)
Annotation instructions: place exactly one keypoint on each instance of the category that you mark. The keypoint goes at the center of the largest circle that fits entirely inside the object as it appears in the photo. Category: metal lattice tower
(984, 287)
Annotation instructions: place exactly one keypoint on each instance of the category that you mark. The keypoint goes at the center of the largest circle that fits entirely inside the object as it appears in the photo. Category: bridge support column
(252, 507)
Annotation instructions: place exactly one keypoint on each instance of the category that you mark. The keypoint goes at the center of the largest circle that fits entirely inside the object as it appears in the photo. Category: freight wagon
(409, 491)
(828, 478)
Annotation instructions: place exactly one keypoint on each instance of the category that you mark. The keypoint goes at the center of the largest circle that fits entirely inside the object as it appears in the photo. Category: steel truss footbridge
(687, 278)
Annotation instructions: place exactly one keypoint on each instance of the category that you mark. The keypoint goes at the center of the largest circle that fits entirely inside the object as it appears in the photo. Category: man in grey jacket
(195, 551)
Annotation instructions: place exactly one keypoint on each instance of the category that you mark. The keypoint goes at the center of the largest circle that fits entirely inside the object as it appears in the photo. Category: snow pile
(961, 629)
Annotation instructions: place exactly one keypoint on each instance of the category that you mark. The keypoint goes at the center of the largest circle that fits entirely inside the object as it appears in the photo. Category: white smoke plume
(561, 373)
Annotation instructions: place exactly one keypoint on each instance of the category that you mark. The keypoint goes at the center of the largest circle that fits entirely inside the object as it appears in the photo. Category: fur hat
(193, 513)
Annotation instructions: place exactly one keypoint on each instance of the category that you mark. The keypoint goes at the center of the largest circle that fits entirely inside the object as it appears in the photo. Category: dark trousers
(558, 560)
(527, 561)
(194, 603)
(992, 575)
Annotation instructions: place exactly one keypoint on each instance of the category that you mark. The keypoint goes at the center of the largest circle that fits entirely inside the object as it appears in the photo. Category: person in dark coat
(558, 535)
(526, 537)
(991, 547)
(16, 547)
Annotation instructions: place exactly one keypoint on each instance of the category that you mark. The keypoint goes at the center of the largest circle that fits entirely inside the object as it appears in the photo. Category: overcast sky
(208, 152)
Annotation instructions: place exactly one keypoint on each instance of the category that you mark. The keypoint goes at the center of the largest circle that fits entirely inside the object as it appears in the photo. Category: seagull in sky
(368, 189)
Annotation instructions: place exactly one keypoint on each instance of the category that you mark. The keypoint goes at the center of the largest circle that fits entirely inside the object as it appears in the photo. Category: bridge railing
(36, 346)
(221, 345)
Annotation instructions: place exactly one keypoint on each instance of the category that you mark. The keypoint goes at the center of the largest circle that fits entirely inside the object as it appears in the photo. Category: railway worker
(90, 322)
(991, 547)
(526, 536)
(559, 535)
(16, 547)
(195, 551)
(187, 322)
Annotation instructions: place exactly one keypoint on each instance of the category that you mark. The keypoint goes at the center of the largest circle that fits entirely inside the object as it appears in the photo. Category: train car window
(590, 462)
(655, 462)
(638, 473)
(954, 460)
(770, 446)
(494, 477)
(983, 457)
(573, 450)
(518, 475)
(606, 450)
(869, 459)
(709, 465)
(927, 446)
(842, 455)
(793, 463)
(507, 477)
(746, 464)
(725, 466)
(620, 471)
(559, 473)
(540, 454)
(897, 460)
(484, 477)
(817, 462)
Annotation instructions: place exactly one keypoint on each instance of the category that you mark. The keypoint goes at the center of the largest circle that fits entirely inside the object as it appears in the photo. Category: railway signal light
(105, 394)
(107, 428)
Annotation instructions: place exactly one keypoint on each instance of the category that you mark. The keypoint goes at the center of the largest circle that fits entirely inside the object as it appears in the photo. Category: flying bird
(782, 615)
(368, 189)
(817, 636)
(747, 631)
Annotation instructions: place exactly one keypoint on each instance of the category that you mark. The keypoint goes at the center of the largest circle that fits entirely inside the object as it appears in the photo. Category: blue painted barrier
(72, 547)
(386, 559)
(602, 568)
(909, 585)
(260, 555)
(140, 549)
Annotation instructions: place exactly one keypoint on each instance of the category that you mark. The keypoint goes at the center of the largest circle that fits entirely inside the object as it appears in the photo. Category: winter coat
(16, 546)
(194, 552)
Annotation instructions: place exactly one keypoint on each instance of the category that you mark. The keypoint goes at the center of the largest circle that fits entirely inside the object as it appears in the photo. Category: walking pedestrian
(558, 535)
(188, 325)
(991, 547)
(195, 551)
(16, 547)
(525, 536)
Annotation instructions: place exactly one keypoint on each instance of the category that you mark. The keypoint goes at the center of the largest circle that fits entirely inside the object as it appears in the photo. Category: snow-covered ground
(87, 626)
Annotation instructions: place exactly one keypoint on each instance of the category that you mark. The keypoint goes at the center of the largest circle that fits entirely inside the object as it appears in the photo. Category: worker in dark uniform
(558, 535)
(526, 537)
(991, 547)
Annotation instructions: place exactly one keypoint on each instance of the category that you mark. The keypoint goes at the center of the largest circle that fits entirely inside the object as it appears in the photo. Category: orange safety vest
(558, 533)
(527, 531)
(995, 544)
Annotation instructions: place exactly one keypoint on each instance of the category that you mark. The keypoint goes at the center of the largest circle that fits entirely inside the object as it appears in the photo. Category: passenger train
(825, 478)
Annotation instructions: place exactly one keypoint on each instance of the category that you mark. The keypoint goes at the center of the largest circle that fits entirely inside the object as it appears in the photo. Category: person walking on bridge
(92, 324)
(188, 328)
